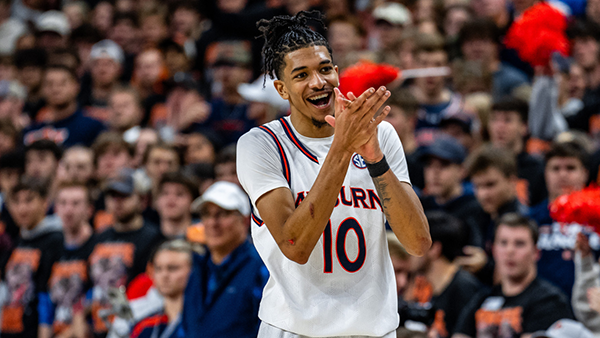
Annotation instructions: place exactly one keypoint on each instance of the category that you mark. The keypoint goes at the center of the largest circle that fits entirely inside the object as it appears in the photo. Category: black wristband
(379, 168)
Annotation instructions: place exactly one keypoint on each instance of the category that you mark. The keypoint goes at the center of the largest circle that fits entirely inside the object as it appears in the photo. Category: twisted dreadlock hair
(285, 34)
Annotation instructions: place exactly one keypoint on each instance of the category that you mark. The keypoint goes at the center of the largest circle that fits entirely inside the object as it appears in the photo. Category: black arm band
(379, 168)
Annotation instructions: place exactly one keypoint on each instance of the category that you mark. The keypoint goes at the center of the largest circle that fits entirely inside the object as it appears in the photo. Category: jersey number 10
(340, 246)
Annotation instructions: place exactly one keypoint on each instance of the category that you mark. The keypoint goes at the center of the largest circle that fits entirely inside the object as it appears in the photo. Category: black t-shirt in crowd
(26, 275)
(69, 283)
(466, 208)
(491, 314)
(448, 303)
(118, 258)
(531, 186)
(9, 235)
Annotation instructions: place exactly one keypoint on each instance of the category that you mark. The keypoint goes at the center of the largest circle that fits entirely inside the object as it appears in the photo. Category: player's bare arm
(297, 230)
(404, 213)
(401, 206)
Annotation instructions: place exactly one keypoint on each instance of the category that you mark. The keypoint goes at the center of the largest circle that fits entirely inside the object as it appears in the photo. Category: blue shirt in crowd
(222, 300)
(556, 245)
(76, 129)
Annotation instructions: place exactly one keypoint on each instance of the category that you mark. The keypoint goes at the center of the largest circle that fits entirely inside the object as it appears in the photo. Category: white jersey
(347, 287)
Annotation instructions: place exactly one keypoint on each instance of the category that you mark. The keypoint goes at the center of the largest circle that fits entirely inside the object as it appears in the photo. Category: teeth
(318, 97)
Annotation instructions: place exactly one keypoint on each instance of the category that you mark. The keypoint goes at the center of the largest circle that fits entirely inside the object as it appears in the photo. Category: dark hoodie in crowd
(26, 276)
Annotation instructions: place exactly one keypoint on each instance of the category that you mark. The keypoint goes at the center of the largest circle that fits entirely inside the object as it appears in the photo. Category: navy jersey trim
(284, 161)
(257, 220)
(290, 134)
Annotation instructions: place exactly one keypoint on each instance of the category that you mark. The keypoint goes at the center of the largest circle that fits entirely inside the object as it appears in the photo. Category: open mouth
(320, 101)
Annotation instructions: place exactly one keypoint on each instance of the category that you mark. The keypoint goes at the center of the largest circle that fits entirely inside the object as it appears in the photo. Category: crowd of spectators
(120, 208)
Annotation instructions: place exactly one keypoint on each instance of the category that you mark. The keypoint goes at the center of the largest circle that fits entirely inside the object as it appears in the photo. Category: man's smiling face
(307, 83)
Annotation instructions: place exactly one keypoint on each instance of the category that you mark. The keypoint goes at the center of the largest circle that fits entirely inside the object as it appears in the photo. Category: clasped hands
(356, 120)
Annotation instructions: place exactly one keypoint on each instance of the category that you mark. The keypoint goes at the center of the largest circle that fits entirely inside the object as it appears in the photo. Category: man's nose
(510, 249)
(317, 81)
(563, 173)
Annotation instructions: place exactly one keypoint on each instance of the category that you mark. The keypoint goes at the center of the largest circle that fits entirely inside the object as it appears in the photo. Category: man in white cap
(12, 100)
(226, 283)
(390, 20)
(11, 28)
(53, 30)
(565, 328)
(106, 61)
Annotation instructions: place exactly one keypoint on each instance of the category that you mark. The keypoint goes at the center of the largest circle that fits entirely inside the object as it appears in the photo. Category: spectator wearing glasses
(226, 283)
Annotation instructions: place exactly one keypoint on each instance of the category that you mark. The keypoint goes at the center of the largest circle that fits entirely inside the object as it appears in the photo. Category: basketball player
(326, 250)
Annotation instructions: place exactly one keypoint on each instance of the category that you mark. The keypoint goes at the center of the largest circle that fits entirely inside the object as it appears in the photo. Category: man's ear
(46, 203)
(281, 89)
(524, 129)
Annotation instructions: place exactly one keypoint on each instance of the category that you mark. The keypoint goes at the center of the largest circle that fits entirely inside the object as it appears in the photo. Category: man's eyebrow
(324, 62)
(298, 68)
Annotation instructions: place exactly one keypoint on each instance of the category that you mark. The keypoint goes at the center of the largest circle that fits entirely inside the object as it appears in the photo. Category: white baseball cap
(107, 49)
(256, 92)
(12, 89)
(226, 195)
(565, 328)
(393, 12)
(53, 21)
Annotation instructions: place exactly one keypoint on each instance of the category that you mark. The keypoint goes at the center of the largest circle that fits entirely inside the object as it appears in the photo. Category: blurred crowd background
(120, 209)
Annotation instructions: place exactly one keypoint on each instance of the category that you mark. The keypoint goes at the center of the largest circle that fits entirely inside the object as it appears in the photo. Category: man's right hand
(355, 122)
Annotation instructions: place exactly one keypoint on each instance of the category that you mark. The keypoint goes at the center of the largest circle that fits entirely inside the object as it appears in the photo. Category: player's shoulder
(387, 133)
(261, 138)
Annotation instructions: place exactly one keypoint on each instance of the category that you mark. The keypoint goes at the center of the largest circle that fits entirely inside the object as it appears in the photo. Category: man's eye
(326, 69)
(300, 75)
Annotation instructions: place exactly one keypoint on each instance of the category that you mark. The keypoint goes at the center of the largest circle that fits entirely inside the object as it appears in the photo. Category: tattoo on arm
(384, 194)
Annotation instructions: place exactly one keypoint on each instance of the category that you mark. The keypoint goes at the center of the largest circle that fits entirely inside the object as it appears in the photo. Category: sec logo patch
(358, 161)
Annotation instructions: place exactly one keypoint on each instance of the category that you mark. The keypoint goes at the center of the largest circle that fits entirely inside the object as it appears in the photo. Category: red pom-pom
(139, 286)
(538, 33)
(364, 75)
(581, 207)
